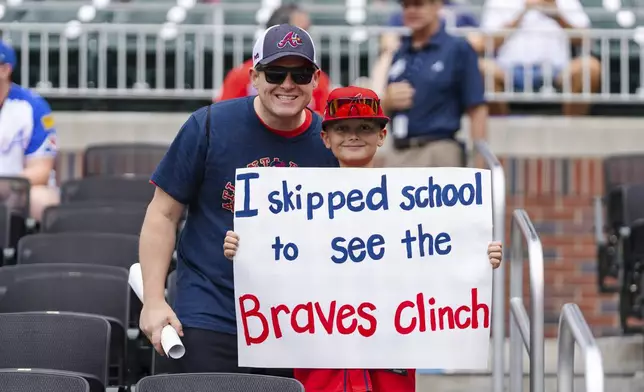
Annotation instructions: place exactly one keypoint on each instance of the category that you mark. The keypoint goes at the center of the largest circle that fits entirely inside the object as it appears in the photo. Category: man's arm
(157, 243)
(41, 151)
(501, 15)
(38, 170)
(472, 94)
(569, 14)
(177, 180)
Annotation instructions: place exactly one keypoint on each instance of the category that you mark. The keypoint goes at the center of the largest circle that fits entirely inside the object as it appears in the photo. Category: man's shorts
(536, 73)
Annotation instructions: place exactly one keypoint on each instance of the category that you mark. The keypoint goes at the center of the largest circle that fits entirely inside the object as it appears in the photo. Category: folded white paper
(170, 341)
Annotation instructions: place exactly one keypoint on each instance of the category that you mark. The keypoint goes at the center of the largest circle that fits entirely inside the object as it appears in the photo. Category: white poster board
(330, 271)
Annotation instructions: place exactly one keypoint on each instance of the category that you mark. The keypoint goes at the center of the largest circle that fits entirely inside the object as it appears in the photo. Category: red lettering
(446, 311)
(412, 325)
(475, 309)
(420, 302)
(373, 323)
(310, 323)
(254, 312)
(327, 322)
(457, 317)
(265, 162)
(344, 312)
(432, 315)
(275, 312)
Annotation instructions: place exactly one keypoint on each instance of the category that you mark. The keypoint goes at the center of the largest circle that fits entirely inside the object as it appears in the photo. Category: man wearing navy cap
(271, 129)
(27, 137)
(434, 79)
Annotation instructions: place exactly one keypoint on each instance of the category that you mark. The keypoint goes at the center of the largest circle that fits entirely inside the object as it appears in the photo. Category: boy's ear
(325, 139)
(381, 137)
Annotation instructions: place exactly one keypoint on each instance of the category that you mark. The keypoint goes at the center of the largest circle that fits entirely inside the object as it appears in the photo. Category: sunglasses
(335, 104)
(277, 75)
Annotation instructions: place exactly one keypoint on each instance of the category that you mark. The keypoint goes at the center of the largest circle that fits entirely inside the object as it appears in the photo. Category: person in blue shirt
(27, 138)
(434, 80)
(271, 129)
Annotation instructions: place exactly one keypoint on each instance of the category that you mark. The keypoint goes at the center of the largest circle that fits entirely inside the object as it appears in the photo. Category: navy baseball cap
(283, 40)
(7, 54)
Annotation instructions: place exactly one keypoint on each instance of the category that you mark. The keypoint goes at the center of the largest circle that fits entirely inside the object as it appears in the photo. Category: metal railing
(498, 287)
(525, 331)
(157, 61)
(573, 328)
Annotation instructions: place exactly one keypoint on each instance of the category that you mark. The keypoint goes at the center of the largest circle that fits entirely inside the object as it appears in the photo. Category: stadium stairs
(622, 358)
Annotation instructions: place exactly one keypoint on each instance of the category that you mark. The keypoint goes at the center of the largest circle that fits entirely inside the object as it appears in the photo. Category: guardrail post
(498, 288)
(522, 228)
(573, 328)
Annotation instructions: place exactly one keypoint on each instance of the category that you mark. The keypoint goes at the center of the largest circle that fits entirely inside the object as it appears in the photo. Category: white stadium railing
(168, 60)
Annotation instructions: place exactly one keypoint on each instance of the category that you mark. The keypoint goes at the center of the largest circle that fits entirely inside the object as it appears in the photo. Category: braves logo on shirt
(228, 194)
(290, 38)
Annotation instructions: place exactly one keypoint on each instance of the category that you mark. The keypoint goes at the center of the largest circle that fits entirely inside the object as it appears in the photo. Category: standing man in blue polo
(433, 81)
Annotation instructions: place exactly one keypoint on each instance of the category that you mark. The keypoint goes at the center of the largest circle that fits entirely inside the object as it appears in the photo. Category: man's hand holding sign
(354, 268)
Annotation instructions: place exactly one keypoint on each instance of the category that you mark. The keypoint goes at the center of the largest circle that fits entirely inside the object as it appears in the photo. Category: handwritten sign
(363, 268)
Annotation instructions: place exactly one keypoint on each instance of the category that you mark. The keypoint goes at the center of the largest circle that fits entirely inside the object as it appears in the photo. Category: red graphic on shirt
(290, 38)
(228, 194)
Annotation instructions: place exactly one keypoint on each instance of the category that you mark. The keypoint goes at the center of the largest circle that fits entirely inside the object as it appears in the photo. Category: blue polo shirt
(446, 77)
(200, 173)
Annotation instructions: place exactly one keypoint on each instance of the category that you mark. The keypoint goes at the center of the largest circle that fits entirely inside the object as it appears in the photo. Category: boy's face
(354, 142)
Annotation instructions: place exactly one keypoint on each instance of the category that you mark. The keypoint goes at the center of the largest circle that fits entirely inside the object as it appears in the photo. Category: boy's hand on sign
(230, 244)
(495, 252)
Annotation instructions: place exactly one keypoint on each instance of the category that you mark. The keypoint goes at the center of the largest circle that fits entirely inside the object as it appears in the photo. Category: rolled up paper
(170, 341)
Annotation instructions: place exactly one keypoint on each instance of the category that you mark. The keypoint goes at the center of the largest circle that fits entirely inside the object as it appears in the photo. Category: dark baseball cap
(283, 40)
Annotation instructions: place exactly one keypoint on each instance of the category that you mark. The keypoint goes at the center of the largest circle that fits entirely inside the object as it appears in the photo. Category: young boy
(353, 129)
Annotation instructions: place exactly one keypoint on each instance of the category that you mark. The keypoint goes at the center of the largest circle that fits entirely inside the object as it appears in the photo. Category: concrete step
(481, 383)
(621, 355)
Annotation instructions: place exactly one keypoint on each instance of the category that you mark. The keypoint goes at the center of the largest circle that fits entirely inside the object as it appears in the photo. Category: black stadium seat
(619, 170)
(218, 382)
(107, 189)
(14, 195)
(105, 295)
(116, 160)
(59, 341)
(118, 250)
(41, 380)
(627, 220)
(94, 219)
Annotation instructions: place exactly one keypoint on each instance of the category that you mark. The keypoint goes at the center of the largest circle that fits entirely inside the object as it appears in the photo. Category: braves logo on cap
(290, 38)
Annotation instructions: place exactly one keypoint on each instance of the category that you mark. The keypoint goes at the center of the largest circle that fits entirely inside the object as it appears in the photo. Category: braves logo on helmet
(292, 39)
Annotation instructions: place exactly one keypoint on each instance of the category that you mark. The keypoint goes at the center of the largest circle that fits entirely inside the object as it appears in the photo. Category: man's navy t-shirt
(238, 139)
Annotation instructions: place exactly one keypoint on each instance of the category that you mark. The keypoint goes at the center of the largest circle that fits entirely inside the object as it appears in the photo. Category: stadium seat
(110, 249)
(41, 380)
(107, 189)
(5, 230)
(70, 342)
(618, 171)
(138, 159)
(104, 219)
(14, 195)
(627, 212)
(105, 295)
(103, 249)
(218, 382)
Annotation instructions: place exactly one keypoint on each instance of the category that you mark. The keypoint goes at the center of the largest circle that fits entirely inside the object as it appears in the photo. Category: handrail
(573, 328)
(522, 228)
(498, 287)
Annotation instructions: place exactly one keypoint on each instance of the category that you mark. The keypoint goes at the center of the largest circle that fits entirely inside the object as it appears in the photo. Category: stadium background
(117, 78)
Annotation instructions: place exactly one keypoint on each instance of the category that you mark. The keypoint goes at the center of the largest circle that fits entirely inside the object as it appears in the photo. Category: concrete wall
(553, 169)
